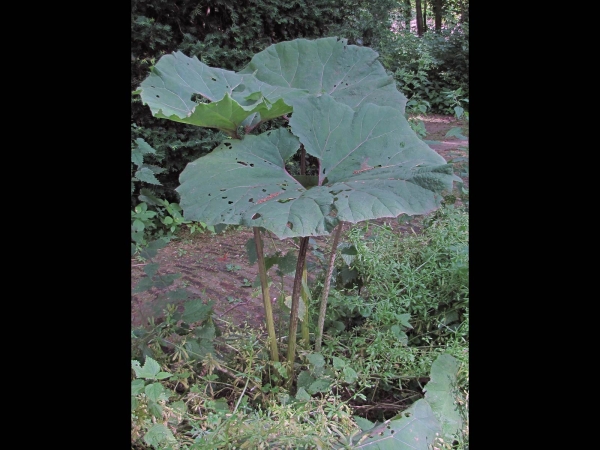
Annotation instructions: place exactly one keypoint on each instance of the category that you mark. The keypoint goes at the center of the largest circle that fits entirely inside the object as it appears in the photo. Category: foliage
(415, 110)
(260, 159)
(231, 397)
(457, 101)
(222, 391)
(203, 394)
(142, 172)
(365, 22)
(174, 147)
(153, 217)
(405, 297)
(423, 66)
(374, 376)
(220, 33)
(461, 163)
(423, 275)
(426, 67)
(186, 336)
(226, 34)
(345, 112)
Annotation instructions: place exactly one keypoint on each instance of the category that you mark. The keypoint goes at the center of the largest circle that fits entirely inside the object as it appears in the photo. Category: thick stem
(323, 308)
(304, 326)
(302, 160)
(265, 291)
(291, 356)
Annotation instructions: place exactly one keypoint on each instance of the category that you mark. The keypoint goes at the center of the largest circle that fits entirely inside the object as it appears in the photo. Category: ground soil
(215, 267)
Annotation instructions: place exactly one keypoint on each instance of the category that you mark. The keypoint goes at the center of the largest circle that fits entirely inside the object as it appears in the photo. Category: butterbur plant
(342, 108)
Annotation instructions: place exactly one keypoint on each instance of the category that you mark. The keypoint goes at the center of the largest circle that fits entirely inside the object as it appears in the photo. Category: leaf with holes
(416, 428)
(245, 183)
(371, 165)
(350, 74)
(186, 90)
(439, 393)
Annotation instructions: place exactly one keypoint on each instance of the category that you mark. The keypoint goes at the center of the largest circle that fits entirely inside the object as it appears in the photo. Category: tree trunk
(419, 18)
(425, 16)
(464, 12)
(302, 160)
(407, 14)
(437, 7)
(304, 327)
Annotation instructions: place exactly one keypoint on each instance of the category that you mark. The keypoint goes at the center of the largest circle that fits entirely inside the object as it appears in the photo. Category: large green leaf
(186, 90)
(349, 73)
(418, 426)
(372, 165)
(371, 141)
(245, 182)
(347, 113)
(415, 429)
(439, 393)
(227, 99)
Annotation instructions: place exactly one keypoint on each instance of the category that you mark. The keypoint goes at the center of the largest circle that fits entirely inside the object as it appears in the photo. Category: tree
(446, 12)
(407, 14)
(420, 28)
(437, 8)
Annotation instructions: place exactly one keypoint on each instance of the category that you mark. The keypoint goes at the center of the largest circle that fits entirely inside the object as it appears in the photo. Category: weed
(216, 388)
(232, 267)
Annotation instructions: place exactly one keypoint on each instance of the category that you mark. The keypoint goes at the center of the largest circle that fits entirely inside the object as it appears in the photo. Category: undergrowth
(400, 302)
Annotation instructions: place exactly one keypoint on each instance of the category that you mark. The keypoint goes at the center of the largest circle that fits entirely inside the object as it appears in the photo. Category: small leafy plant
(232, 267)
(148, 399)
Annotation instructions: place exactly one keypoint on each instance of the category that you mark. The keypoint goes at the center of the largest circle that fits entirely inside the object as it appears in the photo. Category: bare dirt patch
(215, 267)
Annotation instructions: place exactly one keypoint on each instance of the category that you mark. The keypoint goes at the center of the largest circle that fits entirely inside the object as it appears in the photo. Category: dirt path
(215, 267)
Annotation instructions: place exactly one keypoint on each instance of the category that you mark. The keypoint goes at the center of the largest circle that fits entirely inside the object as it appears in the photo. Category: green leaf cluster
(347, 114)
(220, 33)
